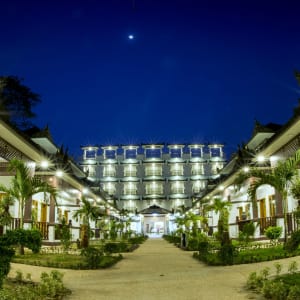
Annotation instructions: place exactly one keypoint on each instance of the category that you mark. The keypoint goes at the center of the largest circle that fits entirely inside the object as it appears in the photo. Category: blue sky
(196, 71)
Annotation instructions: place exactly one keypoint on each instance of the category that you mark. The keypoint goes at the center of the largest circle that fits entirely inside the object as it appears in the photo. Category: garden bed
(65, 261)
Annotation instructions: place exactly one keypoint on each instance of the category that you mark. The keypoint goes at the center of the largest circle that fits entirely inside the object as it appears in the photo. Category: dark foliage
(17, 101)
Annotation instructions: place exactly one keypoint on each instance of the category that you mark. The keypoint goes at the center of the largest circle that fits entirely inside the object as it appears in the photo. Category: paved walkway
(158, 270)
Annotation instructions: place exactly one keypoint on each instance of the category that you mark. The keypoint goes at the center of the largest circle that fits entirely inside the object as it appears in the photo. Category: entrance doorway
(154, 226)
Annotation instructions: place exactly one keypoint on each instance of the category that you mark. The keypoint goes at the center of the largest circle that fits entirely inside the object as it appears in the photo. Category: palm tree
(280, 177)
(222, 208)
(5, 216)
(87, 213)
(24, 186)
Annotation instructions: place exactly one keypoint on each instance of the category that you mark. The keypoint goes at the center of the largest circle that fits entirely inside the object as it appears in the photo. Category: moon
(130, 36)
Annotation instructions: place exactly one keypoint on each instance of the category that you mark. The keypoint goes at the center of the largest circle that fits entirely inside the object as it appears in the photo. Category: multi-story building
(268, 145)
(150, 179)
(53, 166)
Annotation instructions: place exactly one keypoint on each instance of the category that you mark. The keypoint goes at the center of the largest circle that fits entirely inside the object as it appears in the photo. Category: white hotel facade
(153, 181)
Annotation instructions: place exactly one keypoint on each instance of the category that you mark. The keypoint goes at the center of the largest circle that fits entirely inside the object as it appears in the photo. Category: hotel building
(153, 181)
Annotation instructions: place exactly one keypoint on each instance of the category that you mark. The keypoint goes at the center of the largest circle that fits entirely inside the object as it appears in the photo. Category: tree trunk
(84, 236)
(285, 219)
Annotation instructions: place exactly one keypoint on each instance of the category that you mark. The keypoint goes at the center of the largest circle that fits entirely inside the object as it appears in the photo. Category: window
(272, 205)
(110, 188)
(109, 154)
(198, 186)
(130, 170)
(130, 188)
(175, 152)
(196, 152)
(90, 154)
(153, 170)
(109, 171)
(176, 169)
(153, 153)
(216, 152)
(155, 188)
(130, 153)
(90, 169)
(177, 187)
(197, 169)
(216, 167)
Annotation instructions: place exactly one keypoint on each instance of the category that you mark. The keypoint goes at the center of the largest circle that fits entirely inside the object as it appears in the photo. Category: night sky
(195, 71)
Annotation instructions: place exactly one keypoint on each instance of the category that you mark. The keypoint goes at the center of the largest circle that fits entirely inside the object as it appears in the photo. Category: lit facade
(137, 177)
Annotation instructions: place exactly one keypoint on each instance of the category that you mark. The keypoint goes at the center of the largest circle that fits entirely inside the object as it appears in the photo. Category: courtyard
(158, 270)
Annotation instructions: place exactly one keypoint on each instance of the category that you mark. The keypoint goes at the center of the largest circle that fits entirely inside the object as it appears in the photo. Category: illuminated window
(110, 188)
(153, 170)
(109, 171)
(90, 169)
(197, 169)
(176, 169)
(177, 187)
(130, 170)
(272, 205)
(155, 188)
(198, 186)
(216, 167)
(130, 188)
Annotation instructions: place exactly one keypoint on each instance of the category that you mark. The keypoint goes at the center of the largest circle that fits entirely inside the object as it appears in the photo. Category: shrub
(64, 232)
(192, 244)
(227, 253)
(34, 240)
(293, 267)
(92, 257)
(115, 247)
(50, 287)
(273, 232)
(293, 243)
(294, 293)
(5, 258)
(254, 281)
(275, 290)
(247, 232)
(137, 239)
(31, 239)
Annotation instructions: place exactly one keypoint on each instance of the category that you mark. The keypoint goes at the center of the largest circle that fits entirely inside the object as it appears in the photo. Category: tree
(87, 213)
(222, 208)
(5, 216)
(280, 177)
(24, 186)
(17, 101)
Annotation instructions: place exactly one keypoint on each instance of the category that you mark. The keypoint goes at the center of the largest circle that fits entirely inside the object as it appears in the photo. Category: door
(44, 212)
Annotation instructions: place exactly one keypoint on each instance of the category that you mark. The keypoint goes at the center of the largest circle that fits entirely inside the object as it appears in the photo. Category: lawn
(65, 261)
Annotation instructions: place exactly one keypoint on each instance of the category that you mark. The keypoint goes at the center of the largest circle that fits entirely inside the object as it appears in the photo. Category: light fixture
(246, 169)
(261, 158)
(44, 164)
(59, 173)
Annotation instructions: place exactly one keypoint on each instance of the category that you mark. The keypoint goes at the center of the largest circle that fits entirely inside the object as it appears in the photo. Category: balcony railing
(43, 227)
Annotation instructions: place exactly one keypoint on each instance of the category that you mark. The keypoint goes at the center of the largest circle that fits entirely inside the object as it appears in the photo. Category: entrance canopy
(154, 209)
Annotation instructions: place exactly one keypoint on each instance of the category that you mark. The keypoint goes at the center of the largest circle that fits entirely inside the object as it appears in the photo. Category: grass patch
(65, 261)
(278, 287)
(246, 256)
(50, 287)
